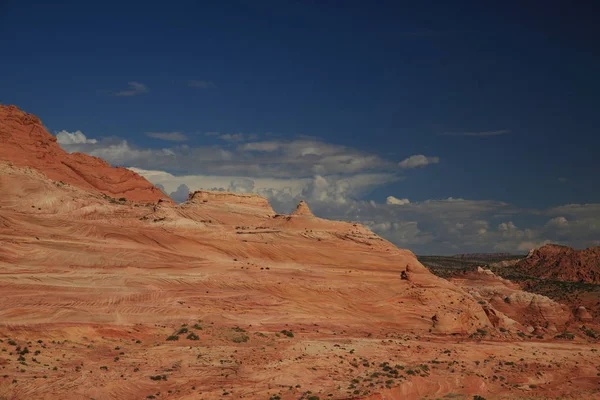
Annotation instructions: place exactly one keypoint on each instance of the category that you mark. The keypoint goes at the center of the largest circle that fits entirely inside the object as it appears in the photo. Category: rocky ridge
(25, 142)
(562, 263)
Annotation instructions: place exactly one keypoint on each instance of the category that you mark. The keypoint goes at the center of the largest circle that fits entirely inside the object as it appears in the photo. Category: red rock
(583, 315)
(563, 263)
(302, 210)
(26, 143)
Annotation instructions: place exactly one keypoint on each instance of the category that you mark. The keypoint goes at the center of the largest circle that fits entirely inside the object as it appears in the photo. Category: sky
(446, 127)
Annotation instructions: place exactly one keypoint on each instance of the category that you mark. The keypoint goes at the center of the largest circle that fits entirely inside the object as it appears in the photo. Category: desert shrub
(240, 339)
(287, 333)
(173, 337)
(565, 335)
(590, 332)
(193, 336)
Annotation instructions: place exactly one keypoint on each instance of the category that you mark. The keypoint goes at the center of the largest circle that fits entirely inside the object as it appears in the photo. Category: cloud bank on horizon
(337, 181)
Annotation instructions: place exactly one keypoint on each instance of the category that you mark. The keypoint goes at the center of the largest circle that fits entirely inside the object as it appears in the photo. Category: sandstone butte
(220, 297)
(563, 263)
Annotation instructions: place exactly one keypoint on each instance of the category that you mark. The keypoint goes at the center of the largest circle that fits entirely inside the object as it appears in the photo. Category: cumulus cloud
(418, 161)
(480, 133)
(68, 138)
(261, 146)
(181, 194)
(395, 201)
(241, 185)
(237, 137)
(135, 88)
(169, 136)
(557, 222)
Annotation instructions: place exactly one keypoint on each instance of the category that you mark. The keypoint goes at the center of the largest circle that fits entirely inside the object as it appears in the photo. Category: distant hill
(562, 263)
(483, 256)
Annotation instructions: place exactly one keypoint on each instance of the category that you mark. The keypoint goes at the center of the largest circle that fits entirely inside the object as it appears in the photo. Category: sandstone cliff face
(26, 143)
(563, 263)
(508, 302)
(241, 202)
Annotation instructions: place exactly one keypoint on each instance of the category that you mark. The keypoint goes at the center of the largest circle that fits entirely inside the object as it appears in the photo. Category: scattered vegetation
(288, 333)
(565, 335)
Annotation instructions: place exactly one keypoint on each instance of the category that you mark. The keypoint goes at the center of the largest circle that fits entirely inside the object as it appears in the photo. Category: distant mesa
(25, 142)
(563, 263)
(302, 209)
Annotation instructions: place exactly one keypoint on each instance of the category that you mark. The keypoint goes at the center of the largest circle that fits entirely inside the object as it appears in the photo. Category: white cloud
(557, 222)
(169, 136)
(336, 181)
(135, 88)
(395, 201)
(237, 137)
(66, 138)
(261, 146)
(417, 161)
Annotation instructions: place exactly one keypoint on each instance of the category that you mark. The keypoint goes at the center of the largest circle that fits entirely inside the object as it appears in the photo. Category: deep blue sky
(384, 77)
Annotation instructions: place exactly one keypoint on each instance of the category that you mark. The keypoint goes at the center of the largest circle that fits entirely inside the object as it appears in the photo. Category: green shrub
(565, 335)
(173, 337)
(240, 339)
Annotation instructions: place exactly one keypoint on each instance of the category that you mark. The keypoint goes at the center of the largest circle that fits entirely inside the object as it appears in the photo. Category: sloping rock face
(504, 298)
(25, 142)
(220, 235)
(563, 263)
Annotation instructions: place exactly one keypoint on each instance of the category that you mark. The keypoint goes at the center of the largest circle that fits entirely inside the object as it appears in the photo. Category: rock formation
(25, 142)
(302, 210)
(583, 315)
(219, 296)
(563, 263)
(507, 298)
